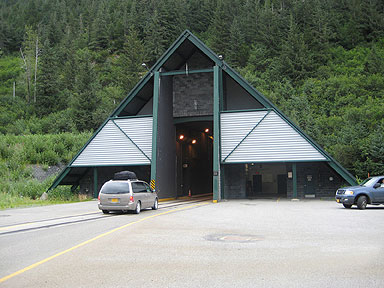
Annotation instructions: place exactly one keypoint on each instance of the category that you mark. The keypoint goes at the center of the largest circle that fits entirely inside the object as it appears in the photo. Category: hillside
(321, 62)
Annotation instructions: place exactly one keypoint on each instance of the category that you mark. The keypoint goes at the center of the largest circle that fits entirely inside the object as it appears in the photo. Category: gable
(119, 142)
(263, 136)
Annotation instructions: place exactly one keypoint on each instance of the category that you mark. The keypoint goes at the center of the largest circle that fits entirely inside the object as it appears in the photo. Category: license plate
(115, 200)
(338, 200)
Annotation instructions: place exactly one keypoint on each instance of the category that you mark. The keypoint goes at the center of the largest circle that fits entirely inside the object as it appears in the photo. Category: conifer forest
(66, 64)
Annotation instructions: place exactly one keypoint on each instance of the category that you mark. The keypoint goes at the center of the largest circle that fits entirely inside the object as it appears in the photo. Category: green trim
(277, 161)
(126, 135)
(156, 92)
(170, 51)
(192, 119)
(242, 140)
(89, 141)
(302, 134)
(184, 72)
(59, 178)
(208, 52)
(216, 133)
(294, 180)
(248, 87)
(246, 110)
(109, 165)
(129, 117)
(95, 186)
(132, 94)
(347, 176)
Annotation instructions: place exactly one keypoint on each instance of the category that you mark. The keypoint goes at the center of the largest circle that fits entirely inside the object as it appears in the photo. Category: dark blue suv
(371, 191)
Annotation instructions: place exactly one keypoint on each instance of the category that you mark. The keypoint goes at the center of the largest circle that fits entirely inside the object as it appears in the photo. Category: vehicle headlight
(348, 192)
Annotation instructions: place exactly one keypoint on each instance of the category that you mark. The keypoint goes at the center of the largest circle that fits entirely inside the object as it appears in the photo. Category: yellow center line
(39, 221)
(93, 239)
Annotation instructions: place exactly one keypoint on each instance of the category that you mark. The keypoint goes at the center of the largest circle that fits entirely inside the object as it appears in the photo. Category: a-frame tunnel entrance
(235, 144)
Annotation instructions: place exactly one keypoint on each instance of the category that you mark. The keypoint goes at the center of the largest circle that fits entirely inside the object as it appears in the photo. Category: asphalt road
(243, 243)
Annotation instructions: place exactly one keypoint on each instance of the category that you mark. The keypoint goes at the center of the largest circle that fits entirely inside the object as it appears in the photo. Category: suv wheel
(347, 205)
(105, 211)
(155, 205)
(138, 208)
(362, 202)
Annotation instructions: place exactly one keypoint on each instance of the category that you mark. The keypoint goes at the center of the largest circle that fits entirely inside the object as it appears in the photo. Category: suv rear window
(115, 188)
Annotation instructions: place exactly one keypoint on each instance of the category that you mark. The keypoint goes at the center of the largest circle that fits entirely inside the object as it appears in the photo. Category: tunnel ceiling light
(206, 130)
(181, 137)
(194, 141)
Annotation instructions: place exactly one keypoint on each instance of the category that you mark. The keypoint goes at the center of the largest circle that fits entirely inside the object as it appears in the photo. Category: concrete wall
(193, 95)
(319, 174)
(234, 181)
(166, 142)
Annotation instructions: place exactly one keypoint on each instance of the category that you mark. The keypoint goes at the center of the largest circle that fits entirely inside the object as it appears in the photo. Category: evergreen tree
(48, 100)
(84, 101)
(130, 60)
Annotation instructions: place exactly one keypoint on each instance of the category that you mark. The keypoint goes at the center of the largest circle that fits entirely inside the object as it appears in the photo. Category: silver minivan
(127, 195)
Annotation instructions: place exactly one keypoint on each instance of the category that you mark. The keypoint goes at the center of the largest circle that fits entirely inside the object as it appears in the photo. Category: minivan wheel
(347, 205)
(138, 208)
(105, 211)
(362, 202)
(155, 205)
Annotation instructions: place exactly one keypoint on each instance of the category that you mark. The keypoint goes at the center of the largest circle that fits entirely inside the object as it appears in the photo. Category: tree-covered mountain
(65, 64)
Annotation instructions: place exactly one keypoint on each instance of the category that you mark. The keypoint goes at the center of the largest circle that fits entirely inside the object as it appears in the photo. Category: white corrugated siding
(112, 147)
(272, 140)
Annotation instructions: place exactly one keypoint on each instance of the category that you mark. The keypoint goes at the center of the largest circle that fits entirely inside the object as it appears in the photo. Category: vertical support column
(216, 134)
(156, 90)
(95, 180)
(294, 180)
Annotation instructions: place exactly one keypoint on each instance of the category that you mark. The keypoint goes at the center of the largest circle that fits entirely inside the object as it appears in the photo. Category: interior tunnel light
(181, 137)
(194, 141)
(206, 130)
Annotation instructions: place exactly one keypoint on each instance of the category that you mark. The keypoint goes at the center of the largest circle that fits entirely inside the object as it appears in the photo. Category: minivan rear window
(138, 187)
(115, 188)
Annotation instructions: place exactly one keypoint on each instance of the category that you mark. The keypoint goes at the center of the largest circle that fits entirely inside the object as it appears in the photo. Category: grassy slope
(17, 153)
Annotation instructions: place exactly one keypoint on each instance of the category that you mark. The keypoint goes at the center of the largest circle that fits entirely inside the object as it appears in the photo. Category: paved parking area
(239, 243)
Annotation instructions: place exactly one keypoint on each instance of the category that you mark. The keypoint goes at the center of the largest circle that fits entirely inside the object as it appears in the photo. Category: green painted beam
(132, 94)
(59, 178)
(129, 117)
(277, 161)
(95, 186)
(156, 91)
(294, 180)
(216, 134)
(108, 165)
(245, 110)
(184, 72)
(345, 174)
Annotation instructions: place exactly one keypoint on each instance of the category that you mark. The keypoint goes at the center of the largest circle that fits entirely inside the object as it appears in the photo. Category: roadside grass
(18, 187)
(27, 192)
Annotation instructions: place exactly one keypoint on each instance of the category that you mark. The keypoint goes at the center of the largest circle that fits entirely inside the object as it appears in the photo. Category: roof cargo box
(124, 175)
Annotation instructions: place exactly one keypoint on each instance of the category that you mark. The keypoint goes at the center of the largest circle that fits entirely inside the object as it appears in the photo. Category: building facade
(192, 125)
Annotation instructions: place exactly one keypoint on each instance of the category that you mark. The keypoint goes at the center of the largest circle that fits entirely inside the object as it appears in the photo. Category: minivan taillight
(131, 199)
